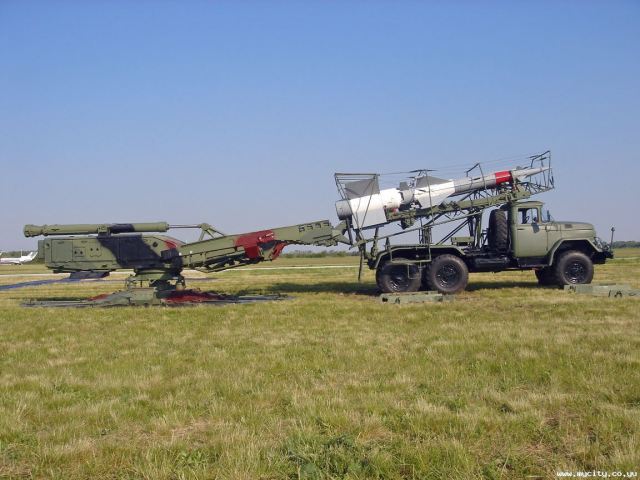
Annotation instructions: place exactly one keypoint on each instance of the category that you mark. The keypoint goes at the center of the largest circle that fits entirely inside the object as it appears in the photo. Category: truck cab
(535, 239)
(529, 233)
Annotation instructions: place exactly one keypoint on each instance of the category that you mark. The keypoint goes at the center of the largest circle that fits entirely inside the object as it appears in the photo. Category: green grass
(508, 381)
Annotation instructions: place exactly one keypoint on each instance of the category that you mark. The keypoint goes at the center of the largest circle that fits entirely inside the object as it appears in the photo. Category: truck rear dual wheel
(571, 268)
(447, 274)
(398, 277)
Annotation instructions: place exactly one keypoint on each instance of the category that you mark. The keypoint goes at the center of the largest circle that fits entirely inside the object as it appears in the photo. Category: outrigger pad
(613, 291)
(149, 296)
(414, 297)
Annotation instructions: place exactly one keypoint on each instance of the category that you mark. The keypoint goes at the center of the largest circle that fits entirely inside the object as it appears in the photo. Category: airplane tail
(26, 258)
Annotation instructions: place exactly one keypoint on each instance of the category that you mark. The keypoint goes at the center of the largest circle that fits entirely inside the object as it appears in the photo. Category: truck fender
(584, 245)
(408, 252)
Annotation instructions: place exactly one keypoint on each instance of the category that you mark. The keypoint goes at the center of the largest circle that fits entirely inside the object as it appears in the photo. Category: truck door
(553, 233)
(530, 236)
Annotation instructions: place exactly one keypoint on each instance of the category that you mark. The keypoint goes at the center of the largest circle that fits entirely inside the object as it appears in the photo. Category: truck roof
(530, 203)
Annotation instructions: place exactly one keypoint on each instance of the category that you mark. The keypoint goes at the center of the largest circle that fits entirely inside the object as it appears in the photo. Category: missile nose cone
(343, 209)
(528, 172)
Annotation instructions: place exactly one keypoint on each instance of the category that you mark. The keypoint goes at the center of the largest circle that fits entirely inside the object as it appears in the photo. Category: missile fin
(425, 200)
(427, 180)
(361, 188)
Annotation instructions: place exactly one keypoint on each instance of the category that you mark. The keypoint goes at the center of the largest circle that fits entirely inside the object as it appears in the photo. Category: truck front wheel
(447, 274)
(572, 268)
(398, 277)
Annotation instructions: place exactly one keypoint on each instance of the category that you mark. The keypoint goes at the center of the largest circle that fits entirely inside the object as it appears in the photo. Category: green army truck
(517, 238)
(517, 235)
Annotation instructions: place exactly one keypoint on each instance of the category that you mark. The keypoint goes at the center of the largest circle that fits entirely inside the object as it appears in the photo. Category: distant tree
(626, 244)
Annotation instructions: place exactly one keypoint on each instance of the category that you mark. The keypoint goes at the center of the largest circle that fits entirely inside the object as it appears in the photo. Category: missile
(367, 204)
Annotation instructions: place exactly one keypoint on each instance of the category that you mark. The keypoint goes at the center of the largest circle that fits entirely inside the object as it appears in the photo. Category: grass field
(508, 381)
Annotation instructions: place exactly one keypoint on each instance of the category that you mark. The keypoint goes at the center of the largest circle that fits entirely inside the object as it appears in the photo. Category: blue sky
(239, 113)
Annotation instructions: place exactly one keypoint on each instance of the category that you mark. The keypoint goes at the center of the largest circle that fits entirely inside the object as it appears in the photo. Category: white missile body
(368, 210)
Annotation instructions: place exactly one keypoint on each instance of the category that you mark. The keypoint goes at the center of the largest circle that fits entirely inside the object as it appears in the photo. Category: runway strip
(240, 269)
(21, 275)
(127, 272)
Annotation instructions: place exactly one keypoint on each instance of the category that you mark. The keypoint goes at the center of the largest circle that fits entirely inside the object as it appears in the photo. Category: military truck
(560, 253)
(517, 237)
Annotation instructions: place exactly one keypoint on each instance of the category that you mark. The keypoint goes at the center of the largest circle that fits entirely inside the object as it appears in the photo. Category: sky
(238, 113)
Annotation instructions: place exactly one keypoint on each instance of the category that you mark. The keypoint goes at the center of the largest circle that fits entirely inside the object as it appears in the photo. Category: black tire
(398, 277)
(544, 276)
(446, 274)
(572, 268)
(498, 233)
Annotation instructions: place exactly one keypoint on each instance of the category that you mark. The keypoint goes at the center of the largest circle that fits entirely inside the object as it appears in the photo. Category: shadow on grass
(276, 288)
(353, 288)
(62, 299)
(372, 290)
(473, 286)
(324, 287)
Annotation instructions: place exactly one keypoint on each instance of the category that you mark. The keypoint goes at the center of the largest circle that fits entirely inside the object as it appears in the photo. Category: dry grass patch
(508, 381)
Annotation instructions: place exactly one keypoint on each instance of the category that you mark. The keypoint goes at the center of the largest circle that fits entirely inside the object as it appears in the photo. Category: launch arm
(230, 251)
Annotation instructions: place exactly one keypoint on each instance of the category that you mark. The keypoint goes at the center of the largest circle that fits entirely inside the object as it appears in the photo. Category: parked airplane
(17, 260)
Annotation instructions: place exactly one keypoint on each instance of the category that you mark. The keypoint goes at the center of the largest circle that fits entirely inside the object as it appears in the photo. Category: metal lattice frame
(467, 209)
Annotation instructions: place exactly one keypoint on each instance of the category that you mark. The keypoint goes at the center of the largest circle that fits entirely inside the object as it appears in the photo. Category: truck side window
(527, 216)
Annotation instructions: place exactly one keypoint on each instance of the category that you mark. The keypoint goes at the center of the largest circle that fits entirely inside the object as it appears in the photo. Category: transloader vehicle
(518, 236)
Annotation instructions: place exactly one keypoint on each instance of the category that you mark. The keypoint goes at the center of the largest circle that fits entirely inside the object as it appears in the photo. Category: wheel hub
(447, 275)
(575, 272)
(399, 277)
